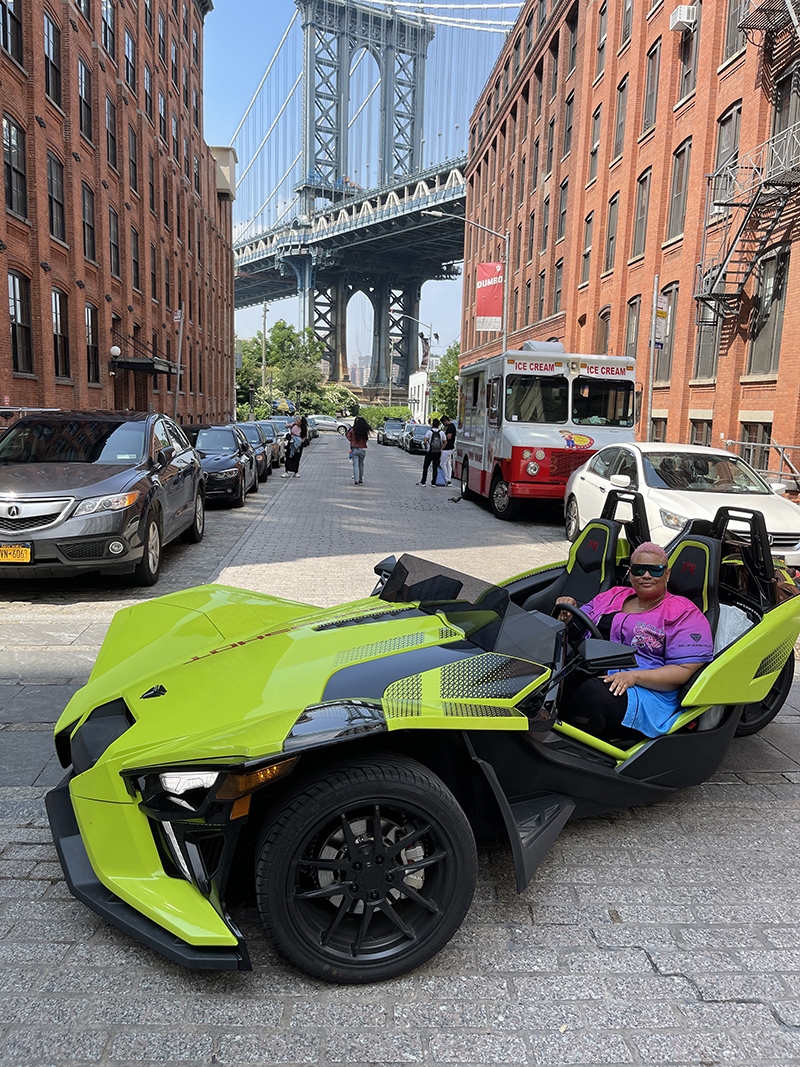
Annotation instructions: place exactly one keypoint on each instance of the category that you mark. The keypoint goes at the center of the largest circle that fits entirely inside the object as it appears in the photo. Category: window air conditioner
(683, 18)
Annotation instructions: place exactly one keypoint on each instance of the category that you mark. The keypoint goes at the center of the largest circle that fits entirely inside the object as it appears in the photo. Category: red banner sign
(489, 297)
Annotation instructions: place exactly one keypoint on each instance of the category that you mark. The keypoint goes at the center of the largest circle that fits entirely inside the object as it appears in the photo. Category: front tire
(756, 716)
(502, 504)
(194, 534)
(148, 567)
(572, 521)
(367, 871)
(238, 500)
(466, 492)
(341, 430)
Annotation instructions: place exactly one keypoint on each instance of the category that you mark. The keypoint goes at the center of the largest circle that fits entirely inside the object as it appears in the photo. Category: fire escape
(747, 195)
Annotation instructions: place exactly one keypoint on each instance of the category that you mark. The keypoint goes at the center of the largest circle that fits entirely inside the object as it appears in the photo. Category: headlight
(532, 468)
(671, 520)
(95, 504)
(182, 782)
(540, 453)
(230, 473)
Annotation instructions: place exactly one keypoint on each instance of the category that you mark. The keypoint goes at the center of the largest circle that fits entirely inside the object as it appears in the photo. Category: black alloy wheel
(193, 535)
(756, 716)
(254, 471)
(241, 492)
(572, 521)
(148, 567)
(367, 871)
(503, 506)
(267, 468)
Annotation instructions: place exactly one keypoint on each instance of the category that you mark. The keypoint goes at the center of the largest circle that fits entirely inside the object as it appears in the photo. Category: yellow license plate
(15, 553)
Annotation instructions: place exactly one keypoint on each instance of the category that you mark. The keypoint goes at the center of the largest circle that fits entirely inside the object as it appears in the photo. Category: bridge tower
(333, 31)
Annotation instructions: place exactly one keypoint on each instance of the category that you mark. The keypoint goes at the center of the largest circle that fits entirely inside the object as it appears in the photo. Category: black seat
(590, 568)
(694, 573)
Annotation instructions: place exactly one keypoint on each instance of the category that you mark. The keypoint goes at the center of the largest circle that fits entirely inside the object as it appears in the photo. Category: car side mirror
(606, 655)
(621, 481)
(778, 488)
(165, 456)
(386, 566)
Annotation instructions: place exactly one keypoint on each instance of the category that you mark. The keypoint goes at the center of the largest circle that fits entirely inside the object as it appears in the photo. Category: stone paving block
(770, 960)
(741, 1016)
(535, 1015)
(770, 1044)
(65, 980)
(649, 987)
(721, 937)
(436, 1016)
(51, 1046)
(788, 1012)
(31, 952)
(612, 961)
(161, 1047)
(741, 987)
(269, 1049)
(782, 938)
(646, 935)
(552, 1049)
(333, 1017)
(18, 979)
(123, 1010)
(477, 1048)
(687, 1048)
(50, 1011)
(629, 1015)
(462, 988)
(348, 1047)
(560, 987)
(692, 963)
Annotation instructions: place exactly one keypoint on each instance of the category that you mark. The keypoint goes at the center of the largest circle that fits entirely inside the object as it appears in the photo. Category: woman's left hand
(620, 682)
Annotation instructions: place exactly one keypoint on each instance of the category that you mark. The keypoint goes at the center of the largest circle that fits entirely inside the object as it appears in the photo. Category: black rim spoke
(427, 861)
(333, 925)
(408, 840)
(417, 898)
(377, 833)
(324, 865)
(366, 919)
(349, 837)
(391, 913)
(332, 890)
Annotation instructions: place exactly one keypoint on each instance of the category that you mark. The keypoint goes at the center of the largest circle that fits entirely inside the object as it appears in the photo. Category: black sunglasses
(655, 570)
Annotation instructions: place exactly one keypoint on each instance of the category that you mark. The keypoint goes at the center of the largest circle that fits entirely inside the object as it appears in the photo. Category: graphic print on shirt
(647, 636)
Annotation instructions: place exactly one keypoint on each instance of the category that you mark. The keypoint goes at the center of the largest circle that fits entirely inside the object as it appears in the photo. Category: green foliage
(376, 415)
(444, 387)
(337, 397)
(289, 357)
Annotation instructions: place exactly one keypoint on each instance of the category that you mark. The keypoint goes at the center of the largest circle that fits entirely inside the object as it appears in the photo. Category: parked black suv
(96, 491)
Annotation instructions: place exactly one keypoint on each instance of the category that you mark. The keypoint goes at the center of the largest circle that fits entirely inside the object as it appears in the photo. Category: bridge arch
(362, 157)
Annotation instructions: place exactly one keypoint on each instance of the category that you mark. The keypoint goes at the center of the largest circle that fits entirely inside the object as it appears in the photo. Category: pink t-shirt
(675, 631)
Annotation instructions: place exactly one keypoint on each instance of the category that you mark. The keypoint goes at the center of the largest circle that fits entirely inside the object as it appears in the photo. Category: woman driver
(671, 639)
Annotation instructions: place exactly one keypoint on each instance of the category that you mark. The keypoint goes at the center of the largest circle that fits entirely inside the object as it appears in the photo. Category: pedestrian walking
(294, 449)
(448, 447)
(358, 435)
(434, 440)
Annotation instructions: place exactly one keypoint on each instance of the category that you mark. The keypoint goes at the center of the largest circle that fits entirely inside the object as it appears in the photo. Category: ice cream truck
(528, 419)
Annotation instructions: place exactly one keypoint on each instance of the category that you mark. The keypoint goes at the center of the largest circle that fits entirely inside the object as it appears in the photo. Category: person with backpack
(433, 452)
(358, 435)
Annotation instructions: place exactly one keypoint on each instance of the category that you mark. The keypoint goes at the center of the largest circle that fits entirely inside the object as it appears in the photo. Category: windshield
(602, 402)
(392, 424)
(690, 472)
(214, 440)
(532, 399)
(250, 430)
(269, 430)
(43, 440)
(420, 431)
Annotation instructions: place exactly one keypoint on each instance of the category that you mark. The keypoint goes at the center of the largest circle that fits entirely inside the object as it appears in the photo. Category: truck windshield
(601, 402)
(536, 399)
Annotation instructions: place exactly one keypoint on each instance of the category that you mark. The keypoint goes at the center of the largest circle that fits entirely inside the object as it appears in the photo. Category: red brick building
(591, 145)
(117, 212)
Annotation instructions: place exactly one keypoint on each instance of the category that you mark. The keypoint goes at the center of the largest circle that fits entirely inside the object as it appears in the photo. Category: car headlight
(231, 472)
(671, 520)
(95, 504)
(532, 468)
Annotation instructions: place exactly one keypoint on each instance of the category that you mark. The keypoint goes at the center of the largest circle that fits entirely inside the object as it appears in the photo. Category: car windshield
(420, 431)
(43, 440)
(250, 430)
(691, 472)
(268, 429)
(214, 440)
(602, 402)
(393, 424)
(536, 399)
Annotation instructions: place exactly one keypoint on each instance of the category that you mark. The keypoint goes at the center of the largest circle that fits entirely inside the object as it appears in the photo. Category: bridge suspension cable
(272, 127)
(266, 75)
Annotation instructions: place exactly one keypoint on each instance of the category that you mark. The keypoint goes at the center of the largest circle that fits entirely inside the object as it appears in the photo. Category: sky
(240, 38)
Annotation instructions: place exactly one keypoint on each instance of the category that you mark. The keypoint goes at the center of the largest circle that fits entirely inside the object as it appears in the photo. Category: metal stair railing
(769, 18)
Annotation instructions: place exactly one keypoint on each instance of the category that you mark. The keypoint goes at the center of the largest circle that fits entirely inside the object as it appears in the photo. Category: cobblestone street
(664, 935)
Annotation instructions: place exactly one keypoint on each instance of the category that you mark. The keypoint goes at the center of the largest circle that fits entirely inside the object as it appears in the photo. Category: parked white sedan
(328, 424)
(679, 483)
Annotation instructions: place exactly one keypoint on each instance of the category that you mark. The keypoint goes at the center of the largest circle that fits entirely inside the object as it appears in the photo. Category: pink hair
(652, 547)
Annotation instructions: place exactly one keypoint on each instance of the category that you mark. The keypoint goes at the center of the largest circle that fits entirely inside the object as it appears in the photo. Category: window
(133, 162)
(538, 76)
(690, 46)
(11, 28)
(522, 166)
(632, 328)
(15, 177)
(708, 334)
(602, 331)
(52, 59)
(186, 88)
(531, 222)
(162, 117)
(109, 20)
(55, 196)
(151, 182)
(174, 58)
(517, 46)
(658, 430)
(535, 165)
(572, 46)
(135, 278)
(186, 23)
(588, 226)
(545, 222)
(529, 33)
(19, 306)
(85, 99)
(568, 109)
(562, 209)
(554, 68)
(542, 286)
(725, 166)
(640, 216)
(518, 247)
(195, 48)
(680, 185)
(165, 199)
(92, 344)
(111, 132)
(651, 87)
(527, 302)
(195, 109)
(148, 92)
(178, 219)
(611, 232)
(559, 272)
(87, 207)
(179, 288)
(700, 432)
(663, 368)
(60, 334)
(619, 125)
(602, 31)
(551, 136)
(186, 169)
(148, 16)
(130, 60)
(542, 13)
(755, 451)
(153, 273)
(176, 147)
(167, 293)
(594, 148)
(162, 39)
(515, 313)
(627, 21)
(734, 37)
(767, 323)
(113, 240)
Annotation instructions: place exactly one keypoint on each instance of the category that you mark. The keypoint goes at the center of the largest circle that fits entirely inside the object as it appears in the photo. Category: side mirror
(165, 456)
(778, 488)
(386, 566)
(606, 655)
(621, 481)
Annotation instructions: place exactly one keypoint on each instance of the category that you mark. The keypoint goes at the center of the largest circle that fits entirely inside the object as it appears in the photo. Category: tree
(286, 350)
(444, 384)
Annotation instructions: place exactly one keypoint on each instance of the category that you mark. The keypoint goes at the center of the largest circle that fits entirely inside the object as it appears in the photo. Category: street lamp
(505, 238)
(252, 400)
(297, 397)
(115, 352)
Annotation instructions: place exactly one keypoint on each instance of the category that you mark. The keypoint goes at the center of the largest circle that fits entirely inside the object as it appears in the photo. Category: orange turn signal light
(239, 783)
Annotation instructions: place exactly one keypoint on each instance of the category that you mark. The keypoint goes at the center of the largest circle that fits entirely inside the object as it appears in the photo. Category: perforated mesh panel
(403, 698)
(775, 660)
(479, 711)
(484, 678)
(393, 644)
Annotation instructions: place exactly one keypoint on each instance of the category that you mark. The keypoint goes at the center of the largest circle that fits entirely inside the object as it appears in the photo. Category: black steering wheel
(578, 616)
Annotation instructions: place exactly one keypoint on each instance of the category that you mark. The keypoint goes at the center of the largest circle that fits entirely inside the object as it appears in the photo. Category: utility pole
(264, 346)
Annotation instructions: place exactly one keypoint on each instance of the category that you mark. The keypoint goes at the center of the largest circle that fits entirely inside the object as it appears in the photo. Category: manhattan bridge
(356, 132)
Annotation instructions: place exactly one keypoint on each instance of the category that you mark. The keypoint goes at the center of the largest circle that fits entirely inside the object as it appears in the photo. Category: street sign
(177, 315)
(661, 320)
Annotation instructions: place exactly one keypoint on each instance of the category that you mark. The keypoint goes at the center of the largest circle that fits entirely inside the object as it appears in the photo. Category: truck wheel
(466, 492)
(365, 872)
(756, 716)
(502, 504)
